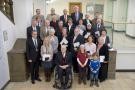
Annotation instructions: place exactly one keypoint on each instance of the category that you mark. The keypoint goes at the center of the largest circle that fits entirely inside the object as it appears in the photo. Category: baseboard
(130, 36)
(119, 30)
(5, 85)
(125, 70)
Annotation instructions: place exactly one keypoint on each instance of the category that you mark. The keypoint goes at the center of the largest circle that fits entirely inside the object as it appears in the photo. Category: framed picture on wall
(90, 8)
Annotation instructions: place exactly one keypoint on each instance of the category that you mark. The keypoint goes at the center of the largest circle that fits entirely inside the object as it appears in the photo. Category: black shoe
(91, 84)
(38, 79)
(96, 83)
(33, 82)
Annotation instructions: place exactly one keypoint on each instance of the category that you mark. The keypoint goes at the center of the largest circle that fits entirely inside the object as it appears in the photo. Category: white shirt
(90, 47)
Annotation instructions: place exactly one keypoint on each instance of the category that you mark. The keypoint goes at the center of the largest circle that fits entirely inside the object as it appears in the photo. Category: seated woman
(63, 64)
(82, 60)
(102, 50)
(47, 55)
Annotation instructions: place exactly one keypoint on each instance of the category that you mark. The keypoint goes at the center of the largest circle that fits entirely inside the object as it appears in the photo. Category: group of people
(68, 43)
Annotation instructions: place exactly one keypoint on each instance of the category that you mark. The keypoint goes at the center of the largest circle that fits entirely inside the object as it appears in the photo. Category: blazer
(79, 39)
(85, 22)
(104, 52)
(59, 58)
(76, 22)
(31, 51)
(63, 19)
(71, 30)
(30, 29)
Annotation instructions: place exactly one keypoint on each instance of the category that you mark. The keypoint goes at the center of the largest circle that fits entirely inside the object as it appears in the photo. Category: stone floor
(123, 81)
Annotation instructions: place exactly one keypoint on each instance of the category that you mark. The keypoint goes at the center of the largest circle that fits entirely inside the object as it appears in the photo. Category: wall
(5, 46)
(59, 5)
(130, 29)
(23, 12)
(125, 59)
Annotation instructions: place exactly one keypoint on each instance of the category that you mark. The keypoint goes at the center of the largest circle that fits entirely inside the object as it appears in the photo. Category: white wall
(5, 46)
(59, 5)
(23, 12)
(125, 59)
(130, 29)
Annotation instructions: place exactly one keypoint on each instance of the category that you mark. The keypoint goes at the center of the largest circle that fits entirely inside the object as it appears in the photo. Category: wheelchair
(57, 83)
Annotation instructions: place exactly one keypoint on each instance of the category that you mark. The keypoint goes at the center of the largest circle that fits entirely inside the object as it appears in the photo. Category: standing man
(33, 27)
(38, 15)
(50, 16)
(65, 17)
(76, 15)
(33, 45)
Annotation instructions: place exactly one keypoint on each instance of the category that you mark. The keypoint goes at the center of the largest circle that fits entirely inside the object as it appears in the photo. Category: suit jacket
(107, 40)
(95, 29)
(59, 58)
(104, 52)
(71, 31)
(54, 24)
(30, 29)
(79, 39)
(43, 32)
(85, 22)
(76, 22)
(31, 51)
(63, 19)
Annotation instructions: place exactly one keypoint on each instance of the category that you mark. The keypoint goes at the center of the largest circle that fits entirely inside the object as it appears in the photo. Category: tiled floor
(123, 81)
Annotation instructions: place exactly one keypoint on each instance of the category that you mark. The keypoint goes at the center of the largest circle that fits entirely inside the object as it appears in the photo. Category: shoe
(96, 83)
(84, 82)
(33, 82)
(91, 84)
(38, 79)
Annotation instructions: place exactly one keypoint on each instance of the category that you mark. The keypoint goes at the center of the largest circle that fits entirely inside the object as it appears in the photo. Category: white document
(76, 44)
(97, 33)
(102, 58)
(45, 56)
(81, 31)
(64, 41)
(86, 36)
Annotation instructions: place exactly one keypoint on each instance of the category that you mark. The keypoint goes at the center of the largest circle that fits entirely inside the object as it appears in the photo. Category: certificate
(45, 56)
(102, 58)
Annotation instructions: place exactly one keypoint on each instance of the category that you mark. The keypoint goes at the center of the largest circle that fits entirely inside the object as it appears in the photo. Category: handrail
(6, 7)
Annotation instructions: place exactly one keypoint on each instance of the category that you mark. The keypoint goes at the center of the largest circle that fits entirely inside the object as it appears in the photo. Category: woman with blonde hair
(47, 55)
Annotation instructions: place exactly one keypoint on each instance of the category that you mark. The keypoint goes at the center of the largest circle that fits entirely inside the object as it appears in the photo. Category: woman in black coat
(102, 49)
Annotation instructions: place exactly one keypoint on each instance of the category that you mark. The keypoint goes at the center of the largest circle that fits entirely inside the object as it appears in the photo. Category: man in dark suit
(97, 29)
(87, 20)
(64, 62)
(76, 16)
(65, 17)
(33, 27)
(33, 45)
(77, 40)
(70, 28)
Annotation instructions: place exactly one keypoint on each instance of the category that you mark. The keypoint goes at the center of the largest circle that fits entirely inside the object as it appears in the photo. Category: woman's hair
(103, 30)
(47, 44)
(89, 37)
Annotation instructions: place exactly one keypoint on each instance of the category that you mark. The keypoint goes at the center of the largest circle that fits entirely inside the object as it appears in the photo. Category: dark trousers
(103, 71)
(34, 69)
(74, 60)
(65, 72)
(82, 72)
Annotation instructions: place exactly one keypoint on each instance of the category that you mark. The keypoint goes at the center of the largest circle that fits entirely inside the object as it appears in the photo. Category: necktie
(65, 17)
(76, 16)
(35, 42)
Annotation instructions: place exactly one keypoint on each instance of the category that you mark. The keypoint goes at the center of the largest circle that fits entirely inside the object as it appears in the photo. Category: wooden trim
(74, 3)
(125, 70)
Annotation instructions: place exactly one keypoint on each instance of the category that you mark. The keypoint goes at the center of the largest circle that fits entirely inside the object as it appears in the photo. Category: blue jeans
(94, 76)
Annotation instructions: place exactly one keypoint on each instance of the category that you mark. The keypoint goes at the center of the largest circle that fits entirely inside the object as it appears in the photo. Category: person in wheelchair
(63, 67)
